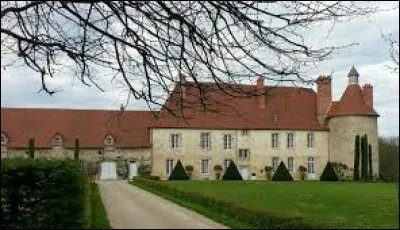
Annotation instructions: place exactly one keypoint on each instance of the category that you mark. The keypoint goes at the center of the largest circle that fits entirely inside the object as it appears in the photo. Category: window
(290, 164)
(275, 161)
(205, 141)
(310, 140)
(175, 141)
(227, 141)
(310, 168)
(57, 140)
(245, 132)
(109, 140)
(169, 166)
(290, 140)
(244, 154)
(204, 165)
(226, 163)
(275, 140)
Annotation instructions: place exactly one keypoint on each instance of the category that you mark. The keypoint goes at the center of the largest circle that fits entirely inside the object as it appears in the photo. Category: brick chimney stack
(368, 93)
(182, 85)
(324, 96)
(261, 92)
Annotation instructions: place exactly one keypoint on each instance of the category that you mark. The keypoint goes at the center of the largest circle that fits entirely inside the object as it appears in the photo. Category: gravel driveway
(131, 207)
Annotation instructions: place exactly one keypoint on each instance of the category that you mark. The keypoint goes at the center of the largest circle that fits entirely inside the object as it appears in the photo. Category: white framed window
(244, 154)
(176, 141)
(290, 164)
(275, 140)
(57, 140)
(226, 163)
(310, 164)
(275, 163)
(245, 132)
(310, 140)
(205, 141)
(227, 141)
(169, 166)
(290, 140)
(204, 165)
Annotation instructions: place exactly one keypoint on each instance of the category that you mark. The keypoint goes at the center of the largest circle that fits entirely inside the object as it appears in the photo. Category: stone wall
(343, 132)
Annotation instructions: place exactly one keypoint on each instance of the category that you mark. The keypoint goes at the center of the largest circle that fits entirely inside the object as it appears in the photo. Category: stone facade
(258, 142)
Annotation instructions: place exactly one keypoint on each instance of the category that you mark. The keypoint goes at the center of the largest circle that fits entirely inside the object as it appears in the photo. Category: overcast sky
(19, 86)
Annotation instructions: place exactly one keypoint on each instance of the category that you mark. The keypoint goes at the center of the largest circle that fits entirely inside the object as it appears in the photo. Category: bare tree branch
(149, 45)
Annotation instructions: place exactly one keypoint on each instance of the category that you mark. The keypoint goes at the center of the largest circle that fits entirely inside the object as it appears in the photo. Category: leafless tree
(147, 45)
(393, 41)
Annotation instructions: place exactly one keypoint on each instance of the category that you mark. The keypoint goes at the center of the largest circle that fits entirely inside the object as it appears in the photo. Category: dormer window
(57, 140)
(4, 139)
(109, 140)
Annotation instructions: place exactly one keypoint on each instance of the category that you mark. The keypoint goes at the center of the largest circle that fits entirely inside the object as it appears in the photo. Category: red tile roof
(290, 108)
(129, 129)
(352, 102)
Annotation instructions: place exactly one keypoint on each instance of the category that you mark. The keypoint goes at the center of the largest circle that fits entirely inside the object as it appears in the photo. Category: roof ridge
(73, 109)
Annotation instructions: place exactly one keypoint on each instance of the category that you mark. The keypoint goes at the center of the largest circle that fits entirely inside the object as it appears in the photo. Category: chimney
(121, 108)
(182, 83)
(324, 96)
(261, 92)
(368, 93)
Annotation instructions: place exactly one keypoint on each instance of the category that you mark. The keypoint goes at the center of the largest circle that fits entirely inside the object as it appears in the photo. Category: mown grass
(340, 204)
(97, 214)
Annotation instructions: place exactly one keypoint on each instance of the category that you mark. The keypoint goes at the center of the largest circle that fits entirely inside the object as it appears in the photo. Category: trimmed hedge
(232, 173)
(329, 173)
(282, 173)
(178, 173)
(42, 193)
(257, 218)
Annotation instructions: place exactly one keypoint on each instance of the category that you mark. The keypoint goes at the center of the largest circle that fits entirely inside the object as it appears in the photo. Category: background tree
(31, 148)
(146, 45)
(389, 158)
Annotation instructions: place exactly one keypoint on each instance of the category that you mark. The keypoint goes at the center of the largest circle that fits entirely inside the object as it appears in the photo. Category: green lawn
(97, 214)
(341, 204)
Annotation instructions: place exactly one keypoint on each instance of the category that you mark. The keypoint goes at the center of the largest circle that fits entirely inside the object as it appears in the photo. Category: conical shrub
(178, 173)
(232, 173)
(329, 173)
(282, 173)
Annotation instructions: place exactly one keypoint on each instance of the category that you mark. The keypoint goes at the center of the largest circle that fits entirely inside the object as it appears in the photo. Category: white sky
(19, 86)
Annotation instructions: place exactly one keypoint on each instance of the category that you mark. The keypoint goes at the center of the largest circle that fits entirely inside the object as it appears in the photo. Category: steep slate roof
(129, 129)
(289, 108)
(352, 102)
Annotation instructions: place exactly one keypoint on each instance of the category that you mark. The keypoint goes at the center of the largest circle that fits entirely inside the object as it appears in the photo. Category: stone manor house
(291, 124)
